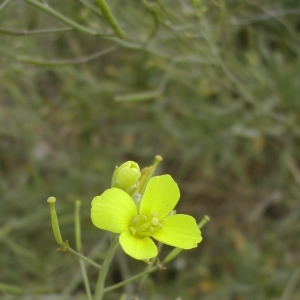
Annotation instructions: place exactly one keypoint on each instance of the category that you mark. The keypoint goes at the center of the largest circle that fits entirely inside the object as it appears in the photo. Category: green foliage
(212, 86)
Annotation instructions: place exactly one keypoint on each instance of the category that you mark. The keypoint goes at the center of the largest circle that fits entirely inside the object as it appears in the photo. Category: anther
(132, 230)
(154, 214)
(151, 229)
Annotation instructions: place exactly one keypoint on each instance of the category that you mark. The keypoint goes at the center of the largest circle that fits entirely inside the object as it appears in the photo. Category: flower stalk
(84, 258)
(78, 248)
(77, 226)
(99, 292)
(133, 278)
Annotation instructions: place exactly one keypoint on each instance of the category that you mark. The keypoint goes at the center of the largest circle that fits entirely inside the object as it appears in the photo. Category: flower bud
(126, 176)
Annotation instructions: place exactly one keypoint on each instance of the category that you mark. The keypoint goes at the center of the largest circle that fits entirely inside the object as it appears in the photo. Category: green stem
(205, 220)
(62, 18)
(291, 285)
(76, 280)
(103, 272)
(92, 7)
(4, 4)
(77, 226)
(9, 31)
(76, 26)
(145, 96)
(148, 267)
(138, 97)
(82, 257)
(109, 17)
(85, 280)
(133, 278)
(57, 63)
(139, 47)
(11, 289)
(78, 248)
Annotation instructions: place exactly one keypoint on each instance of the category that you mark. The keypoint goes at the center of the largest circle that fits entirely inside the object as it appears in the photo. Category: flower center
(143, 226)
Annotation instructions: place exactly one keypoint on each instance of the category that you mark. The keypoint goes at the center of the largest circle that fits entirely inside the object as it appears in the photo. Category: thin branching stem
(291, 285)
(63, 18)
(138, 97)
(92, 7)
(77, 226)
(148, 267)
(99, 292)
(57, 63)
(133, 278)
(94, 252)
(85, 280)
(25, 32)
(11, 289)
(79, 247)
(87, 260)
(2, 6)
(86, 30)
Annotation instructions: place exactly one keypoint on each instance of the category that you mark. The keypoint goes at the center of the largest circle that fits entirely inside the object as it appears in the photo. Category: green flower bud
(126, 176)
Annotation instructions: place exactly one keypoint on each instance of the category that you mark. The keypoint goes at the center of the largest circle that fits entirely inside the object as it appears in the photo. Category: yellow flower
(115, 211)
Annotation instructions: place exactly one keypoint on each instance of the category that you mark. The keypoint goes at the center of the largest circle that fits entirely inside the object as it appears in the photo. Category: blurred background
(211, 86)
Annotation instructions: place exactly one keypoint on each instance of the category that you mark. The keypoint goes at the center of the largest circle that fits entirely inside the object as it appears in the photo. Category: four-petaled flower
(115, 211)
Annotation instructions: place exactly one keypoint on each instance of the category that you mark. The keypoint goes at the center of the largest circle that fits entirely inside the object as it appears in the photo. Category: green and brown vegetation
(211, 86)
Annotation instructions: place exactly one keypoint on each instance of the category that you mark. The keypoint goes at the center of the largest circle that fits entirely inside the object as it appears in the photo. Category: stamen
(132, 230)
(143, 226)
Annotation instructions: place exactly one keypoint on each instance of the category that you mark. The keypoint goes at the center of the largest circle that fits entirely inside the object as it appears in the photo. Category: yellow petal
(161, 196)
(113, 210)
(179, 231)
(138, 248)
